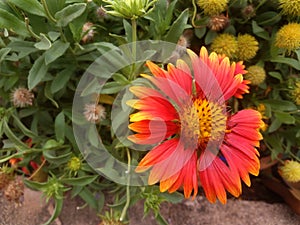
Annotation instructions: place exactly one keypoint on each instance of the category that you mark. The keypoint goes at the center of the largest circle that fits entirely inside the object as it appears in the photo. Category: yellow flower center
(202, 121)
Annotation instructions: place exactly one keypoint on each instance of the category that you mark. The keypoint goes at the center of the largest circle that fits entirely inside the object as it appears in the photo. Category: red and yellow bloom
(195, 137)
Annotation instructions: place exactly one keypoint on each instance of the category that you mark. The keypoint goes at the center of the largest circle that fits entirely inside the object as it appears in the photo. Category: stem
(134, 39)
(50, 17)
(35, 172)
(30, 30)
(194, 15)
(123, 214)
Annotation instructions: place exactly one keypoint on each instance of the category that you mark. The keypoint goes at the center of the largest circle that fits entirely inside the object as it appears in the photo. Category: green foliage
(47, 45)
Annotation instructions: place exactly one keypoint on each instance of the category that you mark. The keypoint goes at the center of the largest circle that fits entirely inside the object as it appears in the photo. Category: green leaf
(31, 6)
(289, 61)
(48, 94)
(111, 88)
(200, 32)
(44, 43)
(280, 105)
(22, 127)
(80, 181)
(177, 27)
(57, 50)
(57, 210)
(260, 32)
(11, 22)
(24, 48)
(3, 53)
(174, 198)
(69, 13)
(210, 36)
(55, 5)
(59, 126)
(276, 75)
(268, 18)
(53, 35)
(37, 72)
(89, 197)
(61, 79)
(52, 157)
(128, 30)
(285, 118)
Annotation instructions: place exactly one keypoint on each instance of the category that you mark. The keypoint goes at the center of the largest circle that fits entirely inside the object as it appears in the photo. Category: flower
(290, 7)
(247, 47)
(288, 37)
(94, 113)
(195, 138)
(74, 164)
(256, 74)
(129, 9)
(212, 7)
(88, 32)
(225, 44)
(218, 22)
(21, 97)
(248, 12)
(290, 171)
(296, 93)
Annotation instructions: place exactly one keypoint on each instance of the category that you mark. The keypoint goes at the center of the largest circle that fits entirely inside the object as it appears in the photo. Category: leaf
(276, 75)
(88, 197)
(22, 127)
(200, 32)
(274, 125)
(3, 53)
(268, 18)
(57, 210)
(260, 32)
(177, 27)
(55, 5)
(44, 43)
(24, 48)
(57, 50)
(37, 72)
(69, 13)
(11, 22)
(59, 126)
(289, 61)
(31, 6)
(285, 118)
(61, 79)
(80, 181)
(280, 105)
(210, 36)
(128, 30)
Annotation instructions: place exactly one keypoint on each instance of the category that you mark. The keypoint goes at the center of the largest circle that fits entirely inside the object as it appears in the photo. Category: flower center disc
(202, 121)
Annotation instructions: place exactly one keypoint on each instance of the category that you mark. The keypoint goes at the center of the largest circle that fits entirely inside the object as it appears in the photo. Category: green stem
(134, 39)
(123, 214)
(50, 17)
(30, 30)
(194, 15)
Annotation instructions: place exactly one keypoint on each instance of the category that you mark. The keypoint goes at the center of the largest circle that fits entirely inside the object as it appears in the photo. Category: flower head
(74, 164)
(288, 37)
(290, 7)
(130, 9)
(185, 117)
(247, 47)
(88, 32)
(94, 113)
(225, 44)
(248, 12)
(22, 97)
(256, 74)
(290, 171)
(218, 22)
(213, 7)
(296, 93)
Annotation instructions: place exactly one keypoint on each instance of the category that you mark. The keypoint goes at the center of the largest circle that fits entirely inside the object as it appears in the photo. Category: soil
(256, 206)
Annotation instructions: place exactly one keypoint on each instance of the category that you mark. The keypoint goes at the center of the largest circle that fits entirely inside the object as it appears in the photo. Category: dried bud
(88, 32)
(101, 12)
(94, 113)
(14, 191)
(248, 12)
(22, 97)
(218, 23)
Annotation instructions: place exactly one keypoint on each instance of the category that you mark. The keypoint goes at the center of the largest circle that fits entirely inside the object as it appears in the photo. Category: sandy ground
(34, 211)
